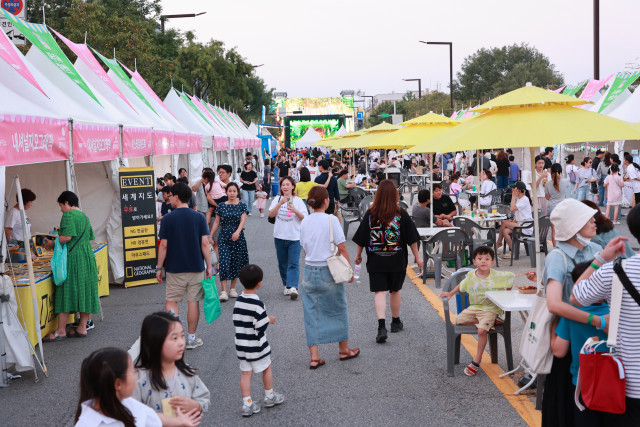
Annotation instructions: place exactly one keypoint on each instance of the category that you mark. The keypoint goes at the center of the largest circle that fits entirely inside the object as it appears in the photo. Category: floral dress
(233, 255)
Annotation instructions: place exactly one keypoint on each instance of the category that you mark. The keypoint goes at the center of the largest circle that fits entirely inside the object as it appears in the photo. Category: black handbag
(272, 220)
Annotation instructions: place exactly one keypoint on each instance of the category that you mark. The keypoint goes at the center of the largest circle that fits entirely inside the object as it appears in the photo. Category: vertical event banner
(138, 207)
(95, 143)
(19, 9)
(29, 139)
(621, 82)
(43, 40)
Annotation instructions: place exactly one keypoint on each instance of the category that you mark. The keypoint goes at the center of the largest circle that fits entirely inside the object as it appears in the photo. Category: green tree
(491, 72)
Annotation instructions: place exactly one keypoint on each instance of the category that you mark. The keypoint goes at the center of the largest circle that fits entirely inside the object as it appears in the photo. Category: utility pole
(450, 44)
(419, 86)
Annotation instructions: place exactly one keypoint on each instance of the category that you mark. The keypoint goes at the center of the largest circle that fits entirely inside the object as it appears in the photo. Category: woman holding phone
(288, 211)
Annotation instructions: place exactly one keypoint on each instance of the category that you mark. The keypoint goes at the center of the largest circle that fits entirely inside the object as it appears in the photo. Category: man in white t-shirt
(13, 222)
(392, 154)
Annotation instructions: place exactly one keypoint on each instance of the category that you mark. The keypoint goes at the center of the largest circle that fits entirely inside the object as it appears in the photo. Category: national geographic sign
(138, 202)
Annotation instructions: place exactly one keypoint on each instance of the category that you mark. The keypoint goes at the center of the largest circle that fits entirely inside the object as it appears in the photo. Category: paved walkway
(402, 382)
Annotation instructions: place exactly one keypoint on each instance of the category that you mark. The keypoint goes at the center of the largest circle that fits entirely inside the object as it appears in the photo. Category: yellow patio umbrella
(367, 136)
(336, 141)
(416, 133)
(532, 117)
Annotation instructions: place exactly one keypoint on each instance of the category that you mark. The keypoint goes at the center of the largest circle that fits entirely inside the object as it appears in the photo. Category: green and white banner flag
(571, 90)
(622, 81)
(43, 40)
(190, 103)
(118, 71)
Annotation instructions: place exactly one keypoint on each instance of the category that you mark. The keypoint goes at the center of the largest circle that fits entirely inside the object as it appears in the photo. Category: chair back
(364, 205)
(470, 228)
(445, 186)
(452, 242)
(357, 194)
(419, 222)
(462, 299)
(544, 224)
(403, 205)
(496, 196)
(502, 209)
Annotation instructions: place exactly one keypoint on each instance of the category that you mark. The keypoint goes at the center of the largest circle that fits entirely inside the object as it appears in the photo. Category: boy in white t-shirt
(481, 311)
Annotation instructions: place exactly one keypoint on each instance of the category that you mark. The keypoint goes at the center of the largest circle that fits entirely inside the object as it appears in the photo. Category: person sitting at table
(521, 205)
(437, 176)
(443, 206)
(367, 182)
(481, 311)
(344, 186)
(422, 211)
(395, 163)
(487, 186)
(421, 167)
(470, 180)
(454, 187)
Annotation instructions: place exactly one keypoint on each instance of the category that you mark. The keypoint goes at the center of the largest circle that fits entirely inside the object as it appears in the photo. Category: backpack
(572, 176)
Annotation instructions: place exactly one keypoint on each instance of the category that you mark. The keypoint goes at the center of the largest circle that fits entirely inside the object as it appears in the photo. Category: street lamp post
(163, 18)
(419, 86)
(450, 44)
(372, 99)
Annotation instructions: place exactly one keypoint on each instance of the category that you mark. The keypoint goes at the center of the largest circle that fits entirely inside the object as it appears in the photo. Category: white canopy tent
(309, 138)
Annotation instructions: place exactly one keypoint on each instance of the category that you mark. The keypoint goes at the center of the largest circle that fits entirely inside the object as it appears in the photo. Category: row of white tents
(71, 126)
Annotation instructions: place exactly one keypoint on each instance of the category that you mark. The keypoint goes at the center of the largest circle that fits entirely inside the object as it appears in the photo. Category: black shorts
(386, 281)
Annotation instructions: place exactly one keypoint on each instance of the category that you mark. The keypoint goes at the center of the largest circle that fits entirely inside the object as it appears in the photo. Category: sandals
(471, 369)
(352, 353)
(75, 334)
(56, 337)
(318, 363)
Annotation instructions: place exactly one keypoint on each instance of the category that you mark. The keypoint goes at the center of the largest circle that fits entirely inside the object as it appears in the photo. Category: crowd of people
(201, 234)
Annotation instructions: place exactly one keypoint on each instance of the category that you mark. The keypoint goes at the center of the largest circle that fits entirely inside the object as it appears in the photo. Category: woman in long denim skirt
(324, 303)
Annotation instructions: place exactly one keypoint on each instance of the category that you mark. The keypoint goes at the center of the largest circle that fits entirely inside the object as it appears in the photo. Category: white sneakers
(290, 292)
(223, 296)
(233, 293)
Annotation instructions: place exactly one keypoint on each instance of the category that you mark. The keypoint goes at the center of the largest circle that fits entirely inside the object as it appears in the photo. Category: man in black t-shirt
(283, 167)
(548, 155)
(443, 206)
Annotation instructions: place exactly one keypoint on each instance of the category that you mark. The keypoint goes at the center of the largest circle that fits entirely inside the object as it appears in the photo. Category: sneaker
(382, 335)
(293, 293)
(233, 293)
(287, 291)
(191, 344)
(274, 400)
(90, 324)
(617, 223)
(223, 296)
(248, 410)
(396, 326)
(249, 213)
(261, 215)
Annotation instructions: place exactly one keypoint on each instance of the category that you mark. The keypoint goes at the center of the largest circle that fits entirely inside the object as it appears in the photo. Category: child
(570, 335)
(251, 321)
(481, 311)
(454, 187)
(107, 381)
(261, 200)
(166, 383)
(614, 185)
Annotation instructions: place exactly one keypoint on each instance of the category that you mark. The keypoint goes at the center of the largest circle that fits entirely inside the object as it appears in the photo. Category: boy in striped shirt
(250, 320)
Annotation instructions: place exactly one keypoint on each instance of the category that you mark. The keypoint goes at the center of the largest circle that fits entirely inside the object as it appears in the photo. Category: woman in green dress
(79, 292)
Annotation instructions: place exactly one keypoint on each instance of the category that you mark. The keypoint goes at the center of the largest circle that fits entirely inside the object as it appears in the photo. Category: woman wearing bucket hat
(575, 226)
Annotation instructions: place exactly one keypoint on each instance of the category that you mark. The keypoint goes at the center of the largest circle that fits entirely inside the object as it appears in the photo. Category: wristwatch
(158, 268)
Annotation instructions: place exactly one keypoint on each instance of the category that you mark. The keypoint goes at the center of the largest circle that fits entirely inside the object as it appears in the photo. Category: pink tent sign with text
(182, 143)
(220, 143)
(136, 142)
(95, 143)
(196, 143)
(29, 139)
(163, 142)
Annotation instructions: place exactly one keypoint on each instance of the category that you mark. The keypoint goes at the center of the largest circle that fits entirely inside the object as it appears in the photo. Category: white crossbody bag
(339, 266)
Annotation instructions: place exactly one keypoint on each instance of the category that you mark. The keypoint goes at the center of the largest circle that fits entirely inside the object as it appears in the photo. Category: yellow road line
(507, 387)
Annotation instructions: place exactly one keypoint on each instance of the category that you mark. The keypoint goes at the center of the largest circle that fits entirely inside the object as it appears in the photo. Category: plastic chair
(503, 209)
(474, 240)
(518, 236)
(496, 197)
(419, 222)
(454, 331)
(403, 205)
(355, 214)
(451, 243)
(356, 194)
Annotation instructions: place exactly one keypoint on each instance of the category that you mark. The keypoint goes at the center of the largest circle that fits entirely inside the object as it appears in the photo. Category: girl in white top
(633, 174)
(521, 206)
(107, 382)
(288, 211)
(487, 186)
(572, 173)
(542, 176)
(313, 169)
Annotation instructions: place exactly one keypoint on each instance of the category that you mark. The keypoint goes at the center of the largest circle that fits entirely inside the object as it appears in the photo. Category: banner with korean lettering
(621, 82)
(196, 143)
(43, 40)
(30, 139)
(136, 142)
(138, 207)
(95, 143)
(220, 143)
(163, 142)
(181, 143)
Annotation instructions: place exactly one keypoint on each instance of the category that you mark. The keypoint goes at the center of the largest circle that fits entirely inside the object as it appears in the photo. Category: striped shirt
(251, 321)
(598, 287)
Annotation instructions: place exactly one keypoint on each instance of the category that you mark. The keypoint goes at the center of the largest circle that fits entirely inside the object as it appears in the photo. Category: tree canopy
(132, 27)
(411, 107)
(492, 72)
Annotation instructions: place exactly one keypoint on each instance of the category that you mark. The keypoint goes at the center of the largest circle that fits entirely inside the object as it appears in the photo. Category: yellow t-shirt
(303, 188)
(475, 287)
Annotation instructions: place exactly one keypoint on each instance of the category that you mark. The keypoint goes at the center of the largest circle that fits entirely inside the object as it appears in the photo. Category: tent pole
(479, 180)
(32, 279)
(534, 195)
(67, 163)
(428, 156)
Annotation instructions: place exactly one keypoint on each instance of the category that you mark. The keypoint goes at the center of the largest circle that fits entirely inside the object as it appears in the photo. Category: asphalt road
(400, 383)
